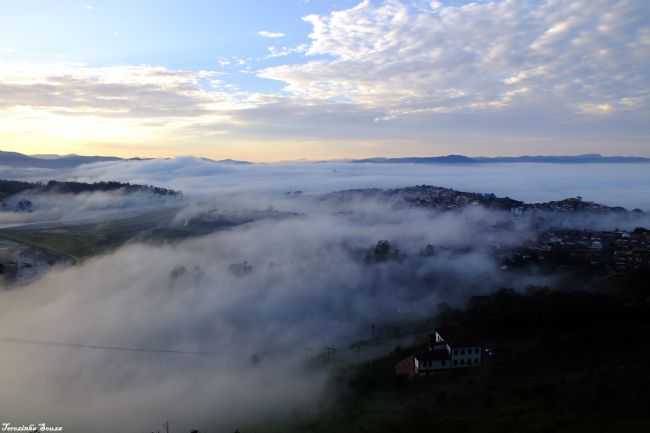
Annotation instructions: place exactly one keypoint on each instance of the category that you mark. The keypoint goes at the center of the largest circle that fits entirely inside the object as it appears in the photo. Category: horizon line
(341, 159)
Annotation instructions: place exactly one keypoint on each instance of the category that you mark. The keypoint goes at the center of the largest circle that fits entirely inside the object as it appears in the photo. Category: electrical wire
(33, 342)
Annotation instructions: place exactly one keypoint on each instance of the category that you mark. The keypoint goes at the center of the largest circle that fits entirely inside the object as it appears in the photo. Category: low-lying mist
(257, 301)
(242, 311)
(81, 207)
(626, 185)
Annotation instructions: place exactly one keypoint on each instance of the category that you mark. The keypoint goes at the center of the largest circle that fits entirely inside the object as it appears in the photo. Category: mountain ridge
(589, 158)
(53, 161)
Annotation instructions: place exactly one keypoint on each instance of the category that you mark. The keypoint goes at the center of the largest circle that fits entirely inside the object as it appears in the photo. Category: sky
(313, 79)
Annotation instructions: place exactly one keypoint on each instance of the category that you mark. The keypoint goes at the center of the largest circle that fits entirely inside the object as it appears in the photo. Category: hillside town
(439, 198)
(601, 251)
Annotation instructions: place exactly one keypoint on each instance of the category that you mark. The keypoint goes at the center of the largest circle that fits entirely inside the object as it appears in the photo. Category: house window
(455, 362)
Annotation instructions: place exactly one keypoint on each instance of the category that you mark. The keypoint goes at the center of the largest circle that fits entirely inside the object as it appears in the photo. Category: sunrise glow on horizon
(325, 80)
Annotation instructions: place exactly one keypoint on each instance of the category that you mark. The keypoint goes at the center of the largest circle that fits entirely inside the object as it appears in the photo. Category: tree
(428, 251)
(382, 252)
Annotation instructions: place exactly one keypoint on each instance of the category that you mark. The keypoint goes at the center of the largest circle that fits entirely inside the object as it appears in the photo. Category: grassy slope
(85, 240)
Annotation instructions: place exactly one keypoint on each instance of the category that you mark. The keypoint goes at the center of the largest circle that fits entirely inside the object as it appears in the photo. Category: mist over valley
(242, 277)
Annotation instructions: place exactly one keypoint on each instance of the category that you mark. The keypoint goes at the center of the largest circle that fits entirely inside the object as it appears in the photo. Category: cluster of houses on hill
(607, 250)
(444, 352)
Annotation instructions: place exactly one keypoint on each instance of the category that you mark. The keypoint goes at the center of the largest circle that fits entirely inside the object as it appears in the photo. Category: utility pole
(166, 425)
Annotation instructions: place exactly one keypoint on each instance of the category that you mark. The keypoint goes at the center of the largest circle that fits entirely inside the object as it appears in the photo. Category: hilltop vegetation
(564, 361)
(439, 198)
(12, 187)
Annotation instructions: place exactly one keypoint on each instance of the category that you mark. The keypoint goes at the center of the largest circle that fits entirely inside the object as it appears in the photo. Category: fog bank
(626, 185)
(262, 299)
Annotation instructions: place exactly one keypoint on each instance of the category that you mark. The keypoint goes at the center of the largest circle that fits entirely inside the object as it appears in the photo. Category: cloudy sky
(275, 80)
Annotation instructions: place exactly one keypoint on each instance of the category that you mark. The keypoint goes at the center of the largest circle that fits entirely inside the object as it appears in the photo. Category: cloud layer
(526, 75)
(624, 185)
(590, 56)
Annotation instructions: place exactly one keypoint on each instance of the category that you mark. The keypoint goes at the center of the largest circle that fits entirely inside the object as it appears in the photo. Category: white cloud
(272, 35)
(493, 55)
(442, 73)
(120, 103)
(597, 109)
(285, 51)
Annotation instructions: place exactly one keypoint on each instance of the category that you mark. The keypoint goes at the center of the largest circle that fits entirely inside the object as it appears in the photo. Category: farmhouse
(444, 352)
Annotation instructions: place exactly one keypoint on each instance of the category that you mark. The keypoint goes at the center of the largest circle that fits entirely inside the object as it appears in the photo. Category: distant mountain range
(15, 159)
(461, 159)
(228, 161)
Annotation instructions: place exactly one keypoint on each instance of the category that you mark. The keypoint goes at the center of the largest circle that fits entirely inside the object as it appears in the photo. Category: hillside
(12, 187)
(439, 198)
(564, 361)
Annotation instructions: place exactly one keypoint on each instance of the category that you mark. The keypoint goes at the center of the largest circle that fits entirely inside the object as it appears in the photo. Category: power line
(32, 342)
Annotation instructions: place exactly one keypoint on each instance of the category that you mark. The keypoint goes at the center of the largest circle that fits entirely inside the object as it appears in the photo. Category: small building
(444, 352)
(596, 245)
